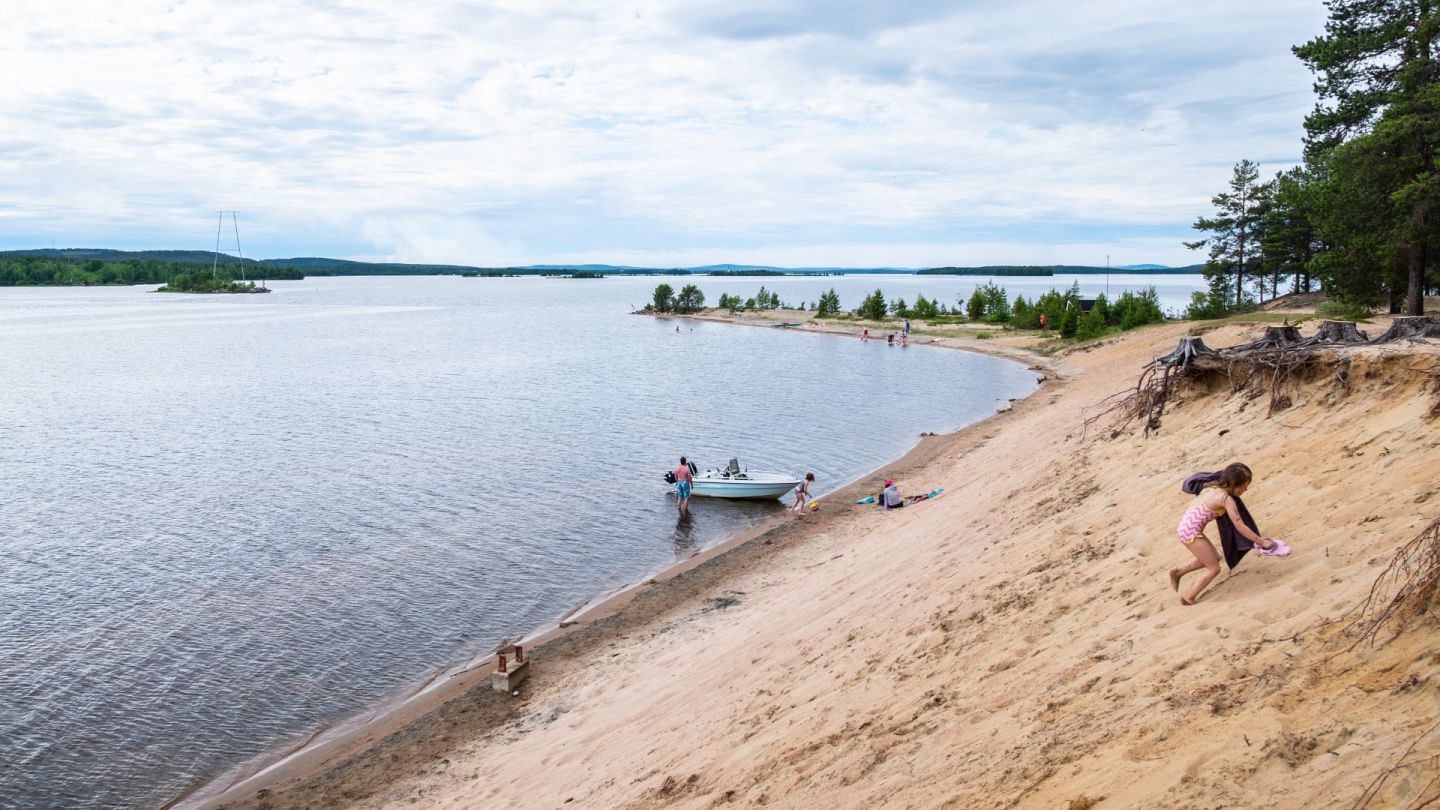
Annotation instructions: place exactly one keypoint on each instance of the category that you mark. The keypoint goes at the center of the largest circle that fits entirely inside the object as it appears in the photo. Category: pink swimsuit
(1193, 522)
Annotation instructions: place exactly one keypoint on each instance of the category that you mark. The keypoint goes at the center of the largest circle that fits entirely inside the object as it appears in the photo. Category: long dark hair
(1234, 476)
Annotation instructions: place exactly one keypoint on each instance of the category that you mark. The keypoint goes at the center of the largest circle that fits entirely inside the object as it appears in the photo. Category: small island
(208, 283)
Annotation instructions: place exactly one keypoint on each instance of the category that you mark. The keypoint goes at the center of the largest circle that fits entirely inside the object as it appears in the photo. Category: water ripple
(228, 523)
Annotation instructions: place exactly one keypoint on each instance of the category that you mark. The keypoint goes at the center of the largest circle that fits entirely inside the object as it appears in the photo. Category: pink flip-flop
(1280, 549)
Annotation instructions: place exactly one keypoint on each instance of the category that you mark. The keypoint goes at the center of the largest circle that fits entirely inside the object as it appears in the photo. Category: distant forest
(95, 266)
(61, 267)
(1054, 269)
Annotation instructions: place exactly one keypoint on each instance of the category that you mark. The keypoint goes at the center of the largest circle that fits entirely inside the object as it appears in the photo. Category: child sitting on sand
(1215, 500)
(890, 496)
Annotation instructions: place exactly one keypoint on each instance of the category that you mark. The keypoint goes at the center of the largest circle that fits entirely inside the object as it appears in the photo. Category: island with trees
(210, 283)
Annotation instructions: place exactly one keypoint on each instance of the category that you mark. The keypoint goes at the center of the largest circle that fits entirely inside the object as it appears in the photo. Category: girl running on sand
(1215, 500)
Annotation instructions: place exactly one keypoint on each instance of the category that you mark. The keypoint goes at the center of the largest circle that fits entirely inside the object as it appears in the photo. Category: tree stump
(1280, 336)
(1185, 351)
(1411, 328)
(1338, 332)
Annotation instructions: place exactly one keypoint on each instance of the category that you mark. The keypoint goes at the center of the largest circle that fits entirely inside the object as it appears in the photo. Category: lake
(229, 520)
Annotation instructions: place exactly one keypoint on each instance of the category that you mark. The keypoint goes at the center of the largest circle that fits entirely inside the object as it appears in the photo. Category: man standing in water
(683, 481)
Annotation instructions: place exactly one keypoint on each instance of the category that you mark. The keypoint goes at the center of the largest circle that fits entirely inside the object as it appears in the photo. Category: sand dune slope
(1015, 642)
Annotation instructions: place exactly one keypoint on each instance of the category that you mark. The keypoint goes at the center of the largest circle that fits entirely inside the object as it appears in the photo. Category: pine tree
(873, 307)
(1377, 129)
(1233, 246)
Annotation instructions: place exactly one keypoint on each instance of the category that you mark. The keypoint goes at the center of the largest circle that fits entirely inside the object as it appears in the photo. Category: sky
(787, 132)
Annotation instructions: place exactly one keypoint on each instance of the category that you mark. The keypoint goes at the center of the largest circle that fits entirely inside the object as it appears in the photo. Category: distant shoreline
(310, 266)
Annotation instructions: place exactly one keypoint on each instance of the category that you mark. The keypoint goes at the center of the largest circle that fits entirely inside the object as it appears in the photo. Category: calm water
(227, 521)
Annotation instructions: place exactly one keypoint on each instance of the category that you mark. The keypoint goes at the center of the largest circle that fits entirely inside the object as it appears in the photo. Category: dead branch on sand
(1374, 787)
(1406, 587)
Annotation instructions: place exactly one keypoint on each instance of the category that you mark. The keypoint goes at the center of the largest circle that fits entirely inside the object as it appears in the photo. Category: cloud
(419, 237)
(793, 18)
(519, 132)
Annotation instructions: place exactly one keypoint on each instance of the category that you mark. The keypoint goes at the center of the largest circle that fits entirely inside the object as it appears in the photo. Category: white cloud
(519, 132)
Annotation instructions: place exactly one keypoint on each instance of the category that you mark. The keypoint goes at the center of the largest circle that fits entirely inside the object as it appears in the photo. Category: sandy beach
(1013, 643)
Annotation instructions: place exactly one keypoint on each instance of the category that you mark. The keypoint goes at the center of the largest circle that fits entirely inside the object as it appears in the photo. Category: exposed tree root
(1428, 796)
(1279, 356)
(1407, 587)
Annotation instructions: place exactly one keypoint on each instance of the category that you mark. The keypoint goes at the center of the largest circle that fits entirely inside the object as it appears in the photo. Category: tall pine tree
(1377, 127)
(1234, 246)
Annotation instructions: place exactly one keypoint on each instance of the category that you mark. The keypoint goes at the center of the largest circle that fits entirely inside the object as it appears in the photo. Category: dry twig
(1374, 788)
(1406, 587)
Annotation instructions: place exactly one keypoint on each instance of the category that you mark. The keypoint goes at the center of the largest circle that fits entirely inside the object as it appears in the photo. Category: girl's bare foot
(1175, 579)
(1187, 601)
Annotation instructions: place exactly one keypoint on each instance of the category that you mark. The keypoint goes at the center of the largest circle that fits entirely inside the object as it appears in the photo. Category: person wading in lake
(684, 480)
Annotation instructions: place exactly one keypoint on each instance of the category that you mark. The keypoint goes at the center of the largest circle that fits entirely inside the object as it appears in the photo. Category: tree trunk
(1240, 260)
(1415, 292)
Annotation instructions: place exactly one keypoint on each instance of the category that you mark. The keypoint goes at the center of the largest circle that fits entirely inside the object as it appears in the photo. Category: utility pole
(1107, 276)
(220, 223)
(215, 265)
(238, 251)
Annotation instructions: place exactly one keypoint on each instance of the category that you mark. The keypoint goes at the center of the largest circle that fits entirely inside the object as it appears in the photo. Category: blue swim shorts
(682, 488)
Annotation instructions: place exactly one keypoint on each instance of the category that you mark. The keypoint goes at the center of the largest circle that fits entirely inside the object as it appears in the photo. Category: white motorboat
(734, 482)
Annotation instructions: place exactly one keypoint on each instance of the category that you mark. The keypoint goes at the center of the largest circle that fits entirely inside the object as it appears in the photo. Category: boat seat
(734, 467)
